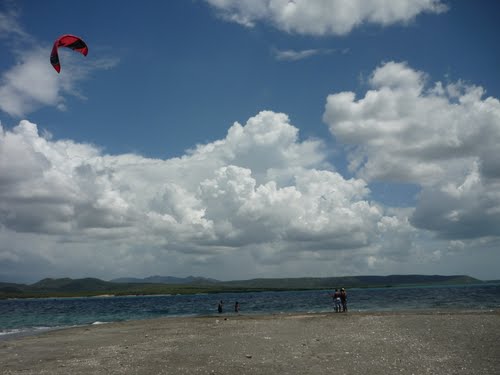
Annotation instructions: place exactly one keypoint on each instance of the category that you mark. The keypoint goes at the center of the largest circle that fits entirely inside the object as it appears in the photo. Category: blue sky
(250, 139)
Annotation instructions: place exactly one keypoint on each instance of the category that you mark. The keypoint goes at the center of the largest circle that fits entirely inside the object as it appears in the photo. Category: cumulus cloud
(260, 193)
(261, 197)
(323, 17)
(442, 137)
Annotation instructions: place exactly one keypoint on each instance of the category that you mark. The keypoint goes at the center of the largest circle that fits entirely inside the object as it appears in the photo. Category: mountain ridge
(64, 287)
(156, 279)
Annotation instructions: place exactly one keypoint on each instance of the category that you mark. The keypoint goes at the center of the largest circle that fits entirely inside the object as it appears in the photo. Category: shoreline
(427, 341)
(35, 331)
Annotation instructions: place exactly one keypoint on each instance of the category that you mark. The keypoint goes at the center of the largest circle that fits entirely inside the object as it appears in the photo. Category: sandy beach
(458, 342)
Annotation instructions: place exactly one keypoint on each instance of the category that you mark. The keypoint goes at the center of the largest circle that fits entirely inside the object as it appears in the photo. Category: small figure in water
(237, 307)
(219, 307)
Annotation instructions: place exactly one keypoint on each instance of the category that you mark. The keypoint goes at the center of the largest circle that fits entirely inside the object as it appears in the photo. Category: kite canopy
(69, 41)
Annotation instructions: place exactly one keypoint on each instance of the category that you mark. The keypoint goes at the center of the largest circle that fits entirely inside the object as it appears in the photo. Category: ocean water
(29, 316)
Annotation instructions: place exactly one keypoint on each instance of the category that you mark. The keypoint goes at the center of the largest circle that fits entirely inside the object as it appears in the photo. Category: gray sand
(353, 343)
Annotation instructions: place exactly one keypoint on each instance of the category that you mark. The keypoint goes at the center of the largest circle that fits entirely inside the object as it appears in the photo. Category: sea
(21, 317)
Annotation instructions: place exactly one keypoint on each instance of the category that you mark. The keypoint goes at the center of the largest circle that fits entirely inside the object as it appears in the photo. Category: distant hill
(352, 281)
(86, 287)
(308, 282)
(167, 280)
(66, 287)
(67, 284)
(11, 288)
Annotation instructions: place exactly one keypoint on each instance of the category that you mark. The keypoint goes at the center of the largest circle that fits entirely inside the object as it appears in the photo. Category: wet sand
(458, 342)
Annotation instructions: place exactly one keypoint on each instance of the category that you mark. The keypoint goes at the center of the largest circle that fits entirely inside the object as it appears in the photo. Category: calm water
(27, 316)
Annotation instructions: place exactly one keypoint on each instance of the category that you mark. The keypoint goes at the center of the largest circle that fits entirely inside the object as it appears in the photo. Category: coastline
(427, 341)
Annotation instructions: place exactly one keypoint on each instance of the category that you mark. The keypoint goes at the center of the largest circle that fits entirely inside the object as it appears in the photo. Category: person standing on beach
(343, 299)
(336, 300)
(219, 307)
(237, 307)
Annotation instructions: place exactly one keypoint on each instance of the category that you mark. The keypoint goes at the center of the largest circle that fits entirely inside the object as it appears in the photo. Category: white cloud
(323, 17)
(32, 83)
(257, 194)
(28, 85)
(295, 55)
(260, 197)
(9, 24)
(445, 138)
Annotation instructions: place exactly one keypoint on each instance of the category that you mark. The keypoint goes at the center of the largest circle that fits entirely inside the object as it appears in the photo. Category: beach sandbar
(459, 342)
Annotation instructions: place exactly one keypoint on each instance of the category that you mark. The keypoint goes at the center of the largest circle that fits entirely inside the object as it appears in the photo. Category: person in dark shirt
(343, 299)
(336, 301)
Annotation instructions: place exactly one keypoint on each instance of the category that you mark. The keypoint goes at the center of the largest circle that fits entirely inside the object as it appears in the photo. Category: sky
(242, 139)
